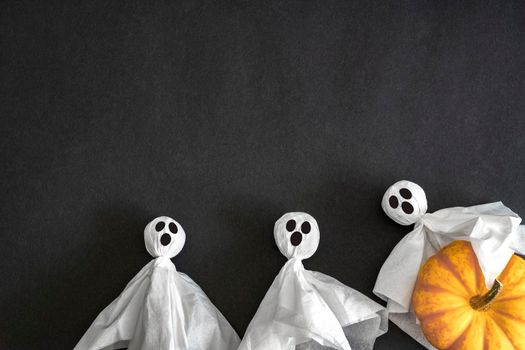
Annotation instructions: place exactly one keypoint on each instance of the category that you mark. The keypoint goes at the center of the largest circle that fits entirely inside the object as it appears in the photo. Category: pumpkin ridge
(427, 287)
(432, 315)
(503, 331)
(480, 280)
(508, 299)
(450, 267)
(514, 259)
(455, 344)
(485, 339)
(507, 315)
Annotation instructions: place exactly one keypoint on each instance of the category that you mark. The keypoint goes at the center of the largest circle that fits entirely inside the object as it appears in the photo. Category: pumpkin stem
(482, 302)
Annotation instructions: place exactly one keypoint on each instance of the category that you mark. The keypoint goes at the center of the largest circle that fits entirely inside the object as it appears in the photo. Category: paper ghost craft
(493, 230)
(308, 310)
(161, 308)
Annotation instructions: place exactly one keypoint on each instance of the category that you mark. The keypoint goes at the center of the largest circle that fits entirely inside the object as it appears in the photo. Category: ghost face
(404, 202)
(296, 235)
(164, 237)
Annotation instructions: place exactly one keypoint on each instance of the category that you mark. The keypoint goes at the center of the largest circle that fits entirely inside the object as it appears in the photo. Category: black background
(225, 116)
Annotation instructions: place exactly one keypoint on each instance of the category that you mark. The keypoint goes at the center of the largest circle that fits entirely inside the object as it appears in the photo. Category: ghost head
(296, 235)
(404, 202)
(164, 237)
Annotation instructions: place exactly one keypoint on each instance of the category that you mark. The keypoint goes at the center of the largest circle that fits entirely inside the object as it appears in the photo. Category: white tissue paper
(161, 308)
(307, 310)
(493, 230)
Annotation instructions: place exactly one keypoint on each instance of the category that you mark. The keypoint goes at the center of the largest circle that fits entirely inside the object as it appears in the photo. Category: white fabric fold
(160, 308)
(398, 274)
(303, 305)
(518, 241)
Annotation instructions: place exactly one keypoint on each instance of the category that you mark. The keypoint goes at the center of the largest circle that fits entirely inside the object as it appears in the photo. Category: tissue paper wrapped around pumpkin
(161, 308)
(493, 230)
(307, 310)
(457, 311)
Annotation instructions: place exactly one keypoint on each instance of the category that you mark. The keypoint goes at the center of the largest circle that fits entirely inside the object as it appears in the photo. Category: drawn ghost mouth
(165, 239)
(296, 238)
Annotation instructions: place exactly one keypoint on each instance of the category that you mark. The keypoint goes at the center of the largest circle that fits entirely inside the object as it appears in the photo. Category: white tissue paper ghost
(493, 230)
(161, 308)
(308, 310)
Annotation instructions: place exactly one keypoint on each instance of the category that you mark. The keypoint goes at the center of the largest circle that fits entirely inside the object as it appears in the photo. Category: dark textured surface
(225, 116)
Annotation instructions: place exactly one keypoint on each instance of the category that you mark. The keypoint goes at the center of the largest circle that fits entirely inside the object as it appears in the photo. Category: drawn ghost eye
(160, 226)
(173, 227)
(405, 193)
(407, 207)
(306, 227)
(290, 225)
(394, 203)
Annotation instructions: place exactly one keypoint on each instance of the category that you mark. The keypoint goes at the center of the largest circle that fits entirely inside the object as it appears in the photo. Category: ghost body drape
(163, 309)
(311, 311)
(493, 230)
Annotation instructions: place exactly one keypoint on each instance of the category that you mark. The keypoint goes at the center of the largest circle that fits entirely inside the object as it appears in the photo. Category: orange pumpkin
(457, 311)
